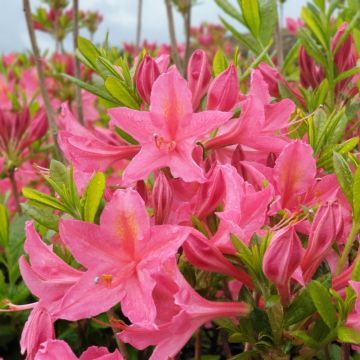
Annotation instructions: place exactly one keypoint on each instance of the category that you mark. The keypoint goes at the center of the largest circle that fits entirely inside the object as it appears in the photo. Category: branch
(48, 108)
(79, 108)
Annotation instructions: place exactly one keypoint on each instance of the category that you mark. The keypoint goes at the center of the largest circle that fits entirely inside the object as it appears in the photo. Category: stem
(348, 246)
(40, 72)
(14, 190)
(198, 345)
(279, 39)
(225, 344)
(174, 50)
(345, 352)
(187, 25)
(121, 346)
(79, 109)
(138, 27)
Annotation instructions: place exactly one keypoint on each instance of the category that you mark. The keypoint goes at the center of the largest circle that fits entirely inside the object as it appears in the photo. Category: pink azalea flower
(262, 125)
(168, 132)
(181, 312)
(60, 350)
(121, 268)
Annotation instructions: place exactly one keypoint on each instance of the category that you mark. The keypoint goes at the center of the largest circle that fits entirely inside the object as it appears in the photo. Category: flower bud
(199, 76)
(162, 196)
(282, 258)
(146, 75)
(325, 229)
(311, 74)
(224, 90)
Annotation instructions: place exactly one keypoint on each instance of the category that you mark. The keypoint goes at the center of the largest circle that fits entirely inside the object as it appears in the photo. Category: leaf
(246, 40)
(299, 309)
(313, 23)
(355, 275)
(43, 216)
(58, 172)
(344, 175)
(323, 303)
(88, 50)
(268, 16)
(43, 199)
(118, 90)
(251, 13)
(4, 225)
(356, 195)
(220, 63)
(230, 10)
(245, 355)
(93, 195)
(96, 90)
(310, 46)
(344, 75)
(348, 335)
(305, 338)
(127, 137)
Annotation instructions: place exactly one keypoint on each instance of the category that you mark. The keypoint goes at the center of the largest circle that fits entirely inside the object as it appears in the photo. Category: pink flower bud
(224, 90)
(162, 196)
(210, 193)
(345, 56)
(311, 74)
(325, 229)
(199, 76)
(146, 75)
(282, 258)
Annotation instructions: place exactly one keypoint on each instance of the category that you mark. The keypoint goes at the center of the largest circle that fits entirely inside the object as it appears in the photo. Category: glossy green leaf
(251, 13)
(348, 335)
(93, 195)
(119, 91)
(344, 175)
(43, 199)
(220, 63)
(323, 303)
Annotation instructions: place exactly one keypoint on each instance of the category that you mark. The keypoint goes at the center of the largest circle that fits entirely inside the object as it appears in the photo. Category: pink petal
(126, 218)
(55, 350)
(171, 99)
(138, 124)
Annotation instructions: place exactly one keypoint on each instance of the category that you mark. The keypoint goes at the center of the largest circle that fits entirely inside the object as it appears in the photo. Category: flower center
(164, 144)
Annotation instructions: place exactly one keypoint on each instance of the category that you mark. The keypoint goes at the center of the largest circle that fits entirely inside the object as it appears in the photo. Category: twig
(120, 344)
(171, 25)
(138, 25)
(198, 345)
(14, 190)
(225, 344)
(44, 94)
(345, 352)
(79, 108)
(187, 26)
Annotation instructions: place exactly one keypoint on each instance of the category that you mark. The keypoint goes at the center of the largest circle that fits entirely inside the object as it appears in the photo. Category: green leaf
(93, 195)
(127, 137)
(356, 195)
(311, 46)
(58, 172)
(4, 225)
(348, 335)
(251, 13)
(43, 216)
(246, 40)
(230, 10)
(245, 355)
(305, 338)
(88, 50)
(323, 303)
(344, 75)
(355, 275)
(291, 57)
(110, 68)
(269, 17)
(96, 90)
(119, 91)
(220, 63)
(299, 309)
(313, 23)
(344, 175)
(43, 199)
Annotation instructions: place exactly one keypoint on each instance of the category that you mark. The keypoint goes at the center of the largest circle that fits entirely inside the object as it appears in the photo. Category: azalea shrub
(209, 211)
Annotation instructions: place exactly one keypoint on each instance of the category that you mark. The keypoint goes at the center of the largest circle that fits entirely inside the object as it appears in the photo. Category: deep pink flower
(60, 350)
(121, 268)
(199, 76)
(168, 133)
(282, 258)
